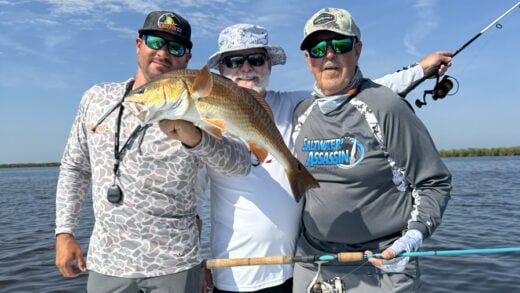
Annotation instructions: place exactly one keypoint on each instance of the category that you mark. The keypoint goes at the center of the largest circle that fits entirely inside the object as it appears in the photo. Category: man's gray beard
(259, 88)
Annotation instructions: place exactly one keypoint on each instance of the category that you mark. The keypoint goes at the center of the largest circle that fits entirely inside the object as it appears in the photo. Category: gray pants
(182, 282)
(364, 279)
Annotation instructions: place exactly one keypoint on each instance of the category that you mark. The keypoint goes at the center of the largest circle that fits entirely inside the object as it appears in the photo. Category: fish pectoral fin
(259, 152)
(212, 130)
(216, 122)
(203, 83)
(214, 126)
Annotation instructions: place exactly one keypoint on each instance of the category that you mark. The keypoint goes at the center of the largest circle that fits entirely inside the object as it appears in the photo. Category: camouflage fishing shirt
(152, 232)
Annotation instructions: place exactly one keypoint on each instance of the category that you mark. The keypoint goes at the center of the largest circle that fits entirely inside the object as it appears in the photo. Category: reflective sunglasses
(237, 61)
(340, 46)
(174, 48)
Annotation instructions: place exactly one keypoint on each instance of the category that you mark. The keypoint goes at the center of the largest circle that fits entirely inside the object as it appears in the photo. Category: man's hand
(69, 257)
(181, 130)
(436, 63)
(411, 241)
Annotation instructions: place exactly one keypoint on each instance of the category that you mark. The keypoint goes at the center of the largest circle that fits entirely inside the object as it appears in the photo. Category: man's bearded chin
(259, 85)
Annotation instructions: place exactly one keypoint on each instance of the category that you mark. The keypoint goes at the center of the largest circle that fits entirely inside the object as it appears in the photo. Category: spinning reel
(318, 285)
(333, 286)
(440, 90)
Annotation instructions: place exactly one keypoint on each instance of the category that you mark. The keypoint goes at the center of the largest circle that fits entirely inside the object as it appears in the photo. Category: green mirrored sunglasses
(174, 48)
(340, 46)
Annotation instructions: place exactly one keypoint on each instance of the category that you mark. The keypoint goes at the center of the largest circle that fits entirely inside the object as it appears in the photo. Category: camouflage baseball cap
(330, 19)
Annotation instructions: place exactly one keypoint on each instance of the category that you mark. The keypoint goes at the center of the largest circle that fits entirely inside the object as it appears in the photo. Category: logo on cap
(324, 18)
(169, 21)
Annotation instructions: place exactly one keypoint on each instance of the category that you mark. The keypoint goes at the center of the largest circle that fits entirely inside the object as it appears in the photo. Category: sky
(52, 51)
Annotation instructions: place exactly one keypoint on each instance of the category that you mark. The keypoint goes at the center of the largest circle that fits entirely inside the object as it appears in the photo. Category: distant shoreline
(28, 165)
(481, 152)
(468, 152)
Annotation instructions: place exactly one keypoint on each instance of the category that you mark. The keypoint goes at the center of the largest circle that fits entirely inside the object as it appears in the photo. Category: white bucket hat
(245, 36)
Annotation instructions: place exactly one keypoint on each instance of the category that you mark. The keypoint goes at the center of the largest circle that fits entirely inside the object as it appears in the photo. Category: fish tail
(301, 180)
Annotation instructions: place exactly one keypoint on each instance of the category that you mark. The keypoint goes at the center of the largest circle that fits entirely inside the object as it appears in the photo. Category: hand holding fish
(182, 130)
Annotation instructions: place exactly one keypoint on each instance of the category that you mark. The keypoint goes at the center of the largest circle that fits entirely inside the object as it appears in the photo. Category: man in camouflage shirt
(143, 179)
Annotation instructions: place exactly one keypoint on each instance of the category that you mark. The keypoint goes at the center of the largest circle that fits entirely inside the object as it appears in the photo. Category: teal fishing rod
(451, 252)
(444, 86)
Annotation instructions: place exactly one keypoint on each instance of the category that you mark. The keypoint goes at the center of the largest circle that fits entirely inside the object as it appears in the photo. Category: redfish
(216, 104)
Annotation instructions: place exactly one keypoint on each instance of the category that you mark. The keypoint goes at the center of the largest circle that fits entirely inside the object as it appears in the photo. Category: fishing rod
(452, 252)
(336, 285)
(341, 257)
(444, 86)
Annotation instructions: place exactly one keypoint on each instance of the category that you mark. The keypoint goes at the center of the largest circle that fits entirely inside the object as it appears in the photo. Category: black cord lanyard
(114, 193)
(118, 153)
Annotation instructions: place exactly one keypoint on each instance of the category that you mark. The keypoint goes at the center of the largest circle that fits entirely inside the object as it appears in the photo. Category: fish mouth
(134, 107)
(139, 110)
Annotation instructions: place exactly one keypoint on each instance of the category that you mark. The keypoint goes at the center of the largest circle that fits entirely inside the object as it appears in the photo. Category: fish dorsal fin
(261, 100)
(203, 83)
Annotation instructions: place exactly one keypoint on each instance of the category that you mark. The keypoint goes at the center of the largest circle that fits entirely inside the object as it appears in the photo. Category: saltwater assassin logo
(344, 152)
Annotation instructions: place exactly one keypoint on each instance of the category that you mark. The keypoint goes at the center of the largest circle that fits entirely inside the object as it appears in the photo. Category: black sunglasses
(340, 46)
(174, 48)
(236, 61)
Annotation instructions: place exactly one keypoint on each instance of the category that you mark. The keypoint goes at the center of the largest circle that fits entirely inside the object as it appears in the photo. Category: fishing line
(444, 86)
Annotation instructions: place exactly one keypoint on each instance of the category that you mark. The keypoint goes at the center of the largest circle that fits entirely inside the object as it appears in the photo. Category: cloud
(88, 7)
(92, 14)
(410, 48)
(58, 25)
(426, 23)
(15, 46)
(120, 29)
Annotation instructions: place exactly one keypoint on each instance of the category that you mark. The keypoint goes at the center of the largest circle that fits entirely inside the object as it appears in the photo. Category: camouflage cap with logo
(330, 19)
(168, 22)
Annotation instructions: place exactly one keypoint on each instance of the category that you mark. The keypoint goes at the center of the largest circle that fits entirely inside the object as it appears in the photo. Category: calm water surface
(484, 213)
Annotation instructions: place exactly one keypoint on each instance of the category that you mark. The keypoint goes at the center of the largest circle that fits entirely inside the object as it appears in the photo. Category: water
(484, 213)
